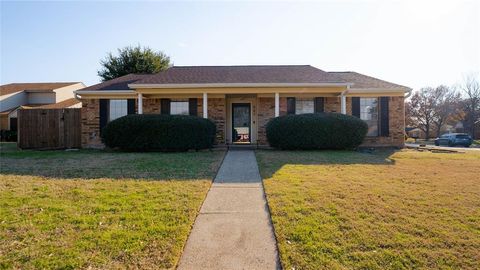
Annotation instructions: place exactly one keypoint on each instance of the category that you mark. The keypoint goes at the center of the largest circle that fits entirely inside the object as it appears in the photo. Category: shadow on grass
(94, 164)
(270, 161)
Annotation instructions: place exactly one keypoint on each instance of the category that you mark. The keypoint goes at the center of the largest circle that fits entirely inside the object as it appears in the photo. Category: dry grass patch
(50, 218)
(403, 210)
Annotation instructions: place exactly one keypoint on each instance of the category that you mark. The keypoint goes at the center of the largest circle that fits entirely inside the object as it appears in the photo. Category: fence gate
(49, 128)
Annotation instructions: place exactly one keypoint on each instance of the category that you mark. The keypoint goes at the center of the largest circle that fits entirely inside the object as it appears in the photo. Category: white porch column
(140, 103)
(205, 105)
(343, 104)
(277, 104)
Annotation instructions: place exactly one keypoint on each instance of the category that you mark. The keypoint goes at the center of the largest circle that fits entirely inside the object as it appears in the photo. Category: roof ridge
(38, 83)
(242, 66)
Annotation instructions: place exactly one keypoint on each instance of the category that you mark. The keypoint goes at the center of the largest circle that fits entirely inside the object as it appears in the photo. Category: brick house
(242, 99)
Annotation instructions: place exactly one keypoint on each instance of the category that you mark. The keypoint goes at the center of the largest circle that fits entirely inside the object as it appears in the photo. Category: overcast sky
(414, 43)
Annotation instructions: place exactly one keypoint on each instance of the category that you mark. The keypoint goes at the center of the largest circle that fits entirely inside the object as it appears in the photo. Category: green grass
(389, 210)
(65, 210)
(102, 164)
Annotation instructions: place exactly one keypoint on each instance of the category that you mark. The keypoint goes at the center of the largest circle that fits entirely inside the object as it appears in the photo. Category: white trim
(226, 85)
(378, 90)
(140, 103)
(277, 104)
(104, 92)
(343, 102)
(205, 105)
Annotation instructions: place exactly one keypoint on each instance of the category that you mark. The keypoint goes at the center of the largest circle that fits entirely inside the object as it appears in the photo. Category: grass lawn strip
(403, 210)
(51, 218)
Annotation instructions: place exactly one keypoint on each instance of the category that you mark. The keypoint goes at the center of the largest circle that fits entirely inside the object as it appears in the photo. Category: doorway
(241, 123)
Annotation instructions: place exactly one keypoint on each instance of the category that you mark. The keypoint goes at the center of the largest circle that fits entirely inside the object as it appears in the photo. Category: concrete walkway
(233, 229)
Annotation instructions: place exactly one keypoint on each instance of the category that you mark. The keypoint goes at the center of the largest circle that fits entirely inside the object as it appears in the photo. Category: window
(369, 113)
(118, 108)
(179, 107)
(303, 106)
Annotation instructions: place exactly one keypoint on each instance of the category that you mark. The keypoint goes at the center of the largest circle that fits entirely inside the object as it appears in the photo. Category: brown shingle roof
(364, 81)
(244, 74)
(120, 83)
(17, 87)
(241, 74)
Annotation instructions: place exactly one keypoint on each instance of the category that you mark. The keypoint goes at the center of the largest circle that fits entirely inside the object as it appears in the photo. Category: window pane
(179, 107)
(303, 106)
(118, 108)
(369, 113)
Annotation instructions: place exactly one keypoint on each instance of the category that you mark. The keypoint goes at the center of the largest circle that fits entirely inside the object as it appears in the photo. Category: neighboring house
(414, 132)
(39, 95)
(241, 100)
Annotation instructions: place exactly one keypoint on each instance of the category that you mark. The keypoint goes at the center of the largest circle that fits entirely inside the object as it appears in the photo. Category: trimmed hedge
(316, 131)
(8, 136)
(143, 132)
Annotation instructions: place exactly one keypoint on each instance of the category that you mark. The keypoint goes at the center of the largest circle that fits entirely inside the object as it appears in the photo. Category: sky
(413, 43)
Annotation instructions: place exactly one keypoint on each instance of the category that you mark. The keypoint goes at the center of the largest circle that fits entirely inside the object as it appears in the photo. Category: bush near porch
(316, 131)
(141, 132)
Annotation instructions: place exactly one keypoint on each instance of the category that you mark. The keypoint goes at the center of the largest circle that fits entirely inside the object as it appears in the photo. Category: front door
(241, 119)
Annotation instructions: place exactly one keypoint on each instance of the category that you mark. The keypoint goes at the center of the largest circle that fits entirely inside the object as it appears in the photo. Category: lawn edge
(280, 262)
(198, 210)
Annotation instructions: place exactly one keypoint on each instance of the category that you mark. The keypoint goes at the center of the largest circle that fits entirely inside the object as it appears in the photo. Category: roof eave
(236, 85)
(379, 90)
(81, 94)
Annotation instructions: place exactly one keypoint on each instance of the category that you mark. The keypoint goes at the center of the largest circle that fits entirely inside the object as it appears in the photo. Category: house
(241, 100)
(15, 96)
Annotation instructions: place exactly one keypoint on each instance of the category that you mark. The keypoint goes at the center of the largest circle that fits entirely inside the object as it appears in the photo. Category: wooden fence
(49, 128)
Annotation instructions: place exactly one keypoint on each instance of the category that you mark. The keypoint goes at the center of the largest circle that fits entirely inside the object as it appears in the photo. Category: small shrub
(142, 132)
(316, 131)
(8, 136)
(410, 140)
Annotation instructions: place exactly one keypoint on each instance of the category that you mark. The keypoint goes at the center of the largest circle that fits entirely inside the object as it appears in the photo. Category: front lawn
(97, 209)
(390, 210)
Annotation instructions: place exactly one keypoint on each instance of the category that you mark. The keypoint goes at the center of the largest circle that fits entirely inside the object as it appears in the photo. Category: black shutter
(104, 110)
(192, 106)
(130, 106)
(290, 105)
(356, 106)
(384, 117)
(165, 106)
(319, 105)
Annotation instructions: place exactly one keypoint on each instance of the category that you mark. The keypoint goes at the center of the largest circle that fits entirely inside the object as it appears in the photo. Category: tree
(136, 60)
(421, 109)
(446, 108)
(471, 89)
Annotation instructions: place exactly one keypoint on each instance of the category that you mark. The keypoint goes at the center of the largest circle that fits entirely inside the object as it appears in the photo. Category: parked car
(453, 139)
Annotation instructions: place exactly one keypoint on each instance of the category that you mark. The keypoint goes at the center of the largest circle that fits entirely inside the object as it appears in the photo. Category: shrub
(316, 131)
(8, 136)
(142, 132)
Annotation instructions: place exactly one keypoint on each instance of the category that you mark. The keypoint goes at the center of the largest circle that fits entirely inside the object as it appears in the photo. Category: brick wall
(217, 113)
(332, 104)
(91, 124)
(266, 111)
(151, 106)
(396, 110)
